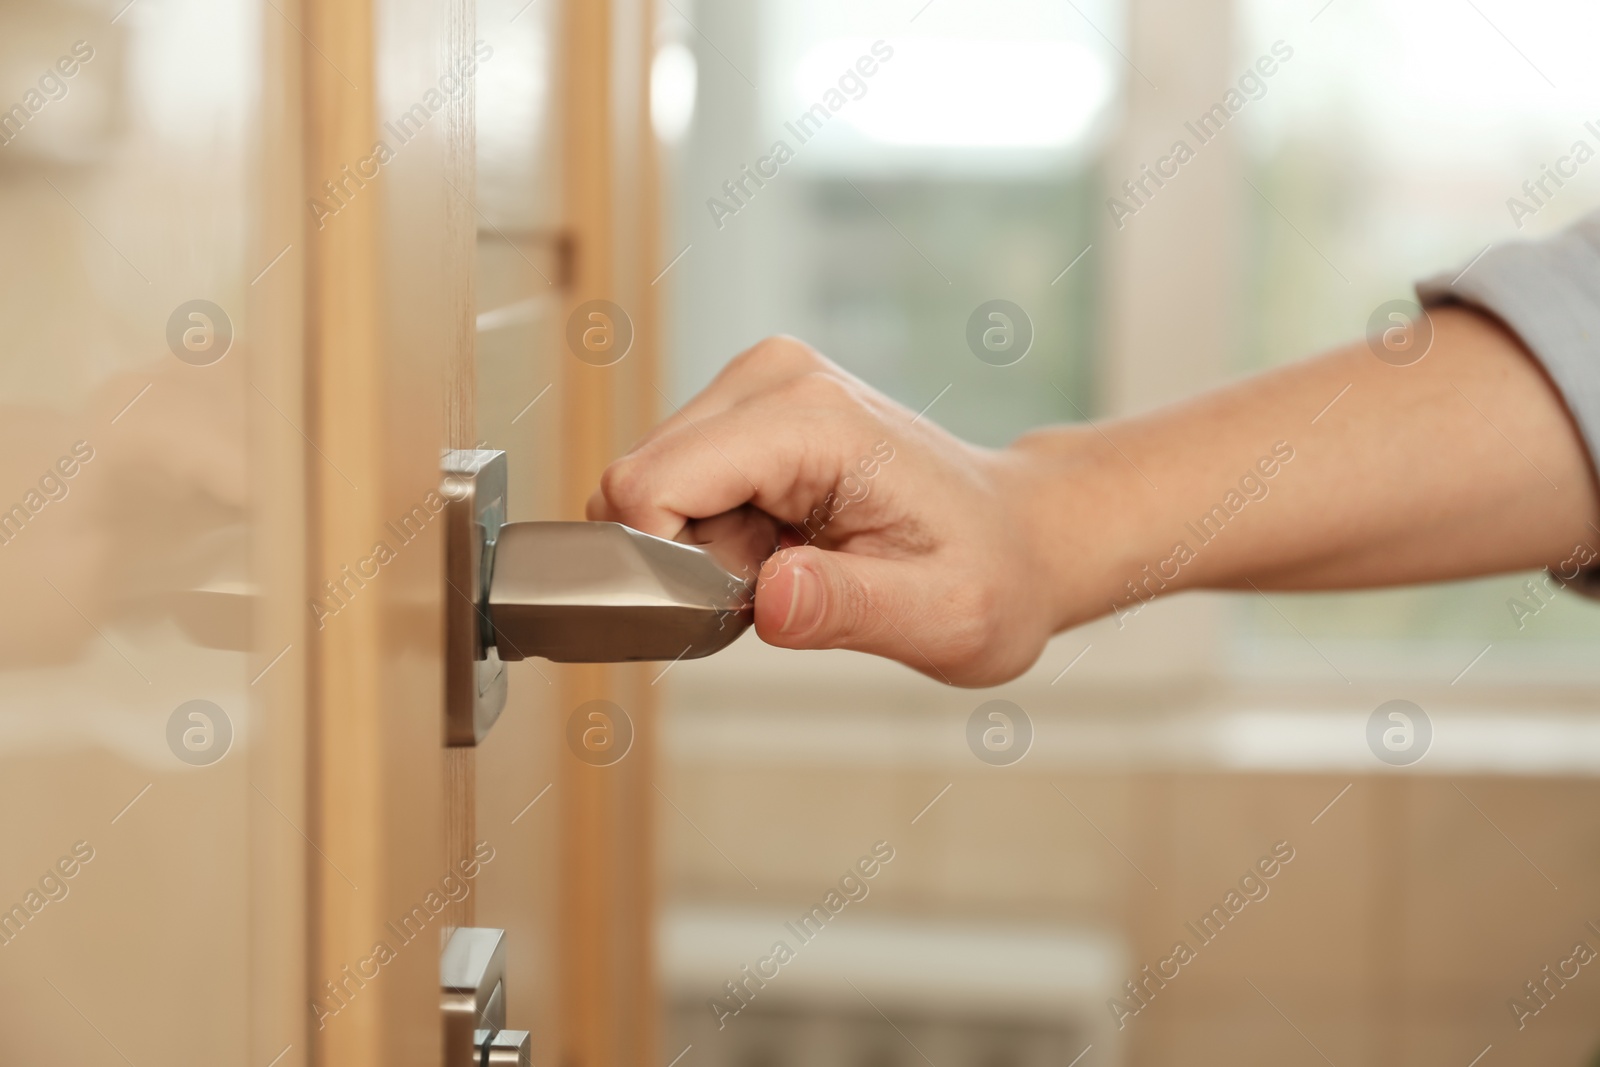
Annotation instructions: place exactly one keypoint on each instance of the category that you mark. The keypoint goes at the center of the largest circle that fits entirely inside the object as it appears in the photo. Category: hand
(899, 539)
(959, 561)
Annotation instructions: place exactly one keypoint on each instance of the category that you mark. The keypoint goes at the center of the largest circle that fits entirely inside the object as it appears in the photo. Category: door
(246, 272)
(154, 860)
(237, 336)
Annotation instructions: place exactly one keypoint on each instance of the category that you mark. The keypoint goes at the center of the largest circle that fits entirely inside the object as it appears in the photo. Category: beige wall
(1396, 935)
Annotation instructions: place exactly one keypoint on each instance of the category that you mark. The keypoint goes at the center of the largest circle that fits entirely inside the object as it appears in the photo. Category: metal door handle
(599, 592)
(580, 592)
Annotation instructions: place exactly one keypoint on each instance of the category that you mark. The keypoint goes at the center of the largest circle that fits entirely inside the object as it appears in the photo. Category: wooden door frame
(610, 1006)
(388, 336)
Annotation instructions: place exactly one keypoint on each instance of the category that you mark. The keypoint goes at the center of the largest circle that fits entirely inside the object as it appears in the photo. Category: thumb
(810, 598)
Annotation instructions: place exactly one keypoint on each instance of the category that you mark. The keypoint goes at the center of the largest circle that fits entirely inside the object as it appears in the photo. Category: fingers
(768, 363)
(740, 540)
(782, 450)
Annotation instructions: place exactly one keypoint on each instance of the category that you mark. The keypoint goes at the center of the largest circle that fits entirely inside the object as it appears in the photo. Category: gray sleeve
(1548, 293)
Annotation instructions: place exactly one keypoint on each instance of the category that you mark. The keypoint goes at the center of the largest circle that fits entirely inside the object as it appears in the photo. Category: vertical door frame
(388, 351)
(610, 1005)
(280, 918)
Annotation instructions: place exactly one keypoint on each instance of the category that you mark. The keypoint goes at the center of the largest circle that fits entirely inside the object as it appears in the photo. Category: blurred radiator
(884, 991)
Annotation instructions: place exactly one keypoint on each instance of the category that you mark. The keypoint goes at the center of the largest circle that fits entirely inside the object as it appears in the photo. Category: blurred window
(1395, 147)
(938, 158)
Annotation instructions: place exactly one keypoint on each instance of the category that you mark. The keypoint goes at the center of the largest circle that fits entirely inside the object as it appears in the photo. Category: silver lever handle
(599, 592)
(578, 592)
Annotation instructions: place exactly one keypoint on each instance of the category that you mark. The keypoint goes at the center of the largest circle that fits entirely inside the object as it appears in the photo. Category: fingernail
(805, 601)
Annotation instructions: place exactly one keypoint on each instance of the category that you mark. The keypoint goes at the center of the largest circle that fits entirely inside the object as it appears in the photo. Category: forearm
(1464, 463)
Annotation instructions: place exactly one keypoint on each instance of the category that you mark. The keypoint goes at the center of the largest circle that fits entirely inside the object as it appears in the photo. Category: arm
(1465, 463)
(961, 562)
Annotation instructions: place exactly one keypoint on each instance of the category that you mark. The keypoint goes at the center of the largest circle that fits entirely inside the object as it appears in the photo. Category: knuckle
(792, 348)
(778, 352)
(852, 613)
(623, 482)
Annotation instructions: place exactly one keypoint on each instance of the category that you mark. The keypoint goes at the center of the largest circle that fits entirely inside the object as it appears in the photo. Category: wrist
(1084, 511)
